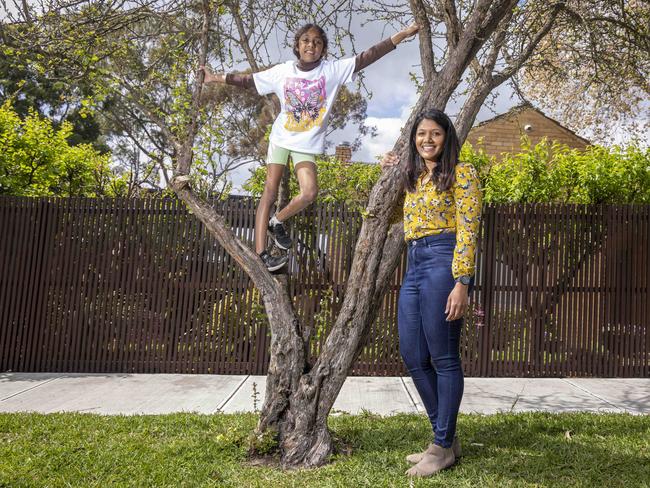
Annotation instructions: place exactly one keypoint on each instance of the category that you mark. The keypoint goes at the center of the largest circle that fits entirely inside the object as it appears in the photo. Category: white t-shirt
(306, 98)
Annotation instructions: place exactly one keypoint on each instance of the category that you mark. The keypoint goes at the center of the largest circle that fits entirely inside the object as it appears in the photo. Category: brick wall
(343, 152)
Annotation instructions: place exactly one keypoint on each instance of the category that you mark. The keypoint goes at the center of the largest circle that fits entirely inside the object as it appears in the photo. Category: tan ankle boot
(436, 459)
(417, 457)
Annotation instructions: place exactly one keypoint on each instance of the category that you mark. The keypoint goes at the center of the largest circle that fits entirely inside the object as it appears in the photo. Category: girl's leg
(270, 193)
(306, 175)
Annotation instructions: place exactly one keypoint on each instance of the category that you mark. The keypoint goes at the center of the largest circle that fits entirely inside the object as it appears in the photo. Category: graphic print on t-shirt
(305, 102)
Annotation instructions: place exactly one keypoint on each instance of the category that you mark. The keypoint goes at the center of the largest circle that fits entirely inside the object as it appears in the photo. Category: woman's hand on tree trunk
(390, 159)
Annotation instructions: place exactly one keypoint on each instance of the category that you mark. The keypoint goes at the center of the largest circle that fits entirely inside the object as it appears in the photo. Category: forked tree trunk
(298, 399)
(300, 414)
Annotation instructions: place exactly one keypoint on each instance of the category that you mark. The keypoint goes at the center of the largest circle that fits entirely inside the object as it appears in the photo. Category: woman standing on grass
(442, 208)
(307, 89)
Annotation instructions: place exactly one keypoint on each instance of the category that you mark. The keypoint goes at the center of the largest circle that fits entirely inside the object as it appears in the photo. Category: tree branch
(426, 44)
(138, 99)
(519, 61)
(134, 138)
(185, 151)
(488, 81)
(452, 22)
(244, 38)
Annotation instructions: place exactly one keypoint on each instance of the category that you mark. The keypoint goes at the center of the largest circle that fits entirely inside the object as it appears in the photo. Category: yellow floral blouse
(428, 211)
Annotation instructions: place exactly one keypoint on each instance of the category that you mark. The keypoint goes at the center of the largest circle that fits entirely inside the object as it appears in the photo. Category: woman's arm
(372, 54)
(467, 197)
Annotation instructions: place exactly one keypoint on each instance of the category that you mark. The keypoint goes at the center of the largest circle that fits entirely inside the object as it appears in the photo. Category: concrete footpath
(128, 394)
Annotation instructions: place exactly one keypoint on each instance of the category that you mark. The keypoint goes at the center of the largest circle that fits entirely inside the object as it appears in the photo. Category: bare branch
(488, 81)
(244, 38)
(185, 152)
(516, 63)
(139, 100)
(132, 136)
(483, 21)
(426, 45)
(452, 22)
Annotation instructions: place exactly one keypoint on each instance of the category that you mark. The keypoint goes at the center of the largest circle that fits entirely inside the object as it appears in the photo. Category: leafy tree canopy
(53, 94)
(553, 173)
(37, 159)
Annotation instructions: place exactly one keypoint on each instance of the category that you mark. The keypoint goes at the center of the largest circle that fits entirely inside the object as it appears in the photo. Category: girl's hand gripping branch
(211, 77)
(410, 31)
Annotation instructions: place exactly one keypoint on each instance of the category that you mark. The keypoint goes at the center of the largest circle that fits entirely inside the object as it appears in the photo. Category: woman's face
(429, 140)
(310, 46)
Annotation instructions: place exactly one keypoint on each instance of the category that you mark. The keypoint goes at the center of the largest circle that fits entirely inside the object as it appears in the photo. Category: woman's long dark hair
(443, 174)
(304, 29)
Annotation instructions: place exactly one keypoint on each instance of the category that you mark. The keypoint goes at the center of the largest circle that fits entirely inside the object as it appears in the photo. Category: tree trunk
(298, 399)
(298, 403)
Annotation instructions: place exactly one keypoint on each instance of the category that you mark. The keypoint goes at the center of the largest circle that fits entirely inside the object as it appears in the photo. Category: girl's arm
(244, 81)
(372, 54)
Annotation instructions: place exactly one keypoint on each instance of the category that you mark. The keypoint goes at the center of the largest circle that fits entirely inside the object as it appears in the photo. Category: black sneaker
(273, 263)
(280, 236)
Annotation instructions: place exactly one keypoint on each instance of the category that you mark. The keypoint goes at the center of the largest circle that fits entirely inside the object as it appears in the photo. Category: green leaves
(37, 160)
(550, 172)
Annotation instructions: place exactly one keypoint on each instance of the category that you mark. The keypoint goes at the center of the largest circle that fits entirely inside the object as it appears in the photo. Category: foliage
(54, 95)
(515, 450)
(595, 58)
(547, 172)
(550, 172)
(338, 181)
(37, 160)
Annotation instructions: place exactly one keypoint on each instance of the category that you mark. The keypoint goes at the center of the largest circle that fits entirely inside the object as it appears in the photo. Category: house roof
(528, 106)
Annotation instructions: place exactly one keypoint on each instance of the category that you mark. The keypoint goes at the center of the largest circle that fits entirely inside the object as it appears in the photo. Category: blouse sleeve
(467, 198)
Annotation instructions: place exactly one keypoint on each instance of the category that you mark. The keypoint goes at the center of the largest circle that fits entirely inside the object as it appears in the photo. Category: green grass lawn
(532, 449)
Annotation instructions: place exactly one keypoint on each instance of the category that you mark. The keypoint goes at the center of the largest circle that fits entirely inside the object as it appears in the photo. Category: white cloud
(388, 130)
(239, 176)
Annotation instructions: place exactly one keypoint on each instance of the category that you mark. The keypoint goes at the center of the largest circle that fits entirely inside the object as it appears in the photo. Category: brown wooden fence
(105, 285)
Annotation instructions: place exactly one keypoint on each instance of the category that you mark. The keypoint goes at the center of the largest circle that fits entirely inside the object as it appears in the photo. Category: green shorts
(280, 155)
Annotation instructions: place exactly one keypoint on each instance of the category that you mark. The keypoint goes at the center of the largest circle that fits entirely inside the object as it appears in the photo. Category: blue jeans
(428, 343)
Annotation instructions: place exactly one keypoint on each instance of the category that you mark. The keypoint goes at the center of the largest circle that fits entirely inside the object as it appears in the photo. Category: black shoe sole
(277, 266)
(280, 246)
